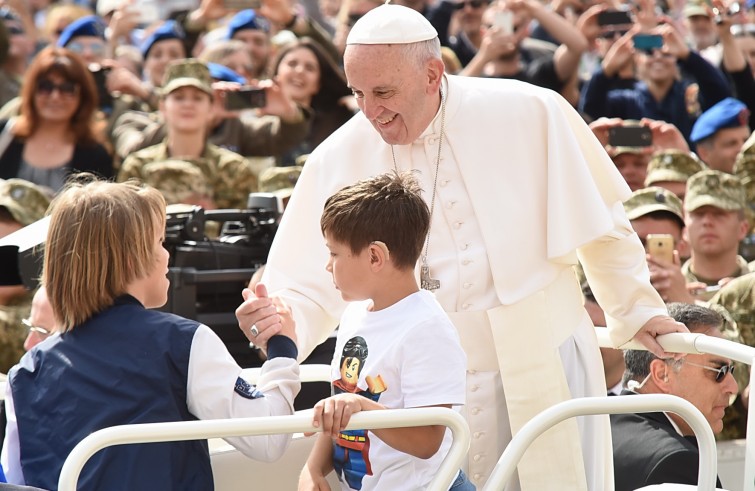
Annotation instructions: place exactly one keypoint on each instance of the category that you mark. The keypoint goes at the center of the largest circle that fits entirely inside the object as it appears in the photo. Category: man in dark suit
(655, 448)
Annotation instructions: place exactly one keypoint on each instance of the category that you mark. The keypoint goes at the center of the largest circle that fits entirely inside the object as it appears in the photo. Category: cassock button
(457, 225)
(477, 434)
(477, 477)
(476, 411)
(476, 458)
(465, 262)
(444, 183)
(451, 204)
(464, 247)
(474, 388)
(471, 372)
(465, 306)
(467, 286)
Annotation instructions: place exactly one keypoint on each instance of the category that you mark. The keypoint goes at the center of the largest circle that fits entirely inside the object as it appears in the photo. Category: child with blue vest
(116, 362)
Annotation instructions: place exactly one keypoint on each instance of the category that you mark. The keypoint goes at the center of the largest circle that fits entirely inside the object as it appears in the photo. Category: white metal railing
(194, 430)
(504, 469)
(697, 343)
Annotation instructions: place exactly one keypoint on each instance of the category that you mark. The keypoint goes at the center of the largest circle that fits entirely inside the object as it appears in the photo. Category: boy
(396, 347)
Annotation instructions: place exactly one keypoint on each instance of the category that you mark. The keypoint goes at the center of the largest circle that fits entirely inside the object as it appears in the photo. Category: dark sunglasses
(721, 372)
(47, 87)
(475, 4)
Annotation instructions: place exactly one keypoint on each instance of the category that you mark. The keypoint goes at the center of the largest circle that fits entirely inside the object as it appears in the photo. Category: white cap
(391, 24)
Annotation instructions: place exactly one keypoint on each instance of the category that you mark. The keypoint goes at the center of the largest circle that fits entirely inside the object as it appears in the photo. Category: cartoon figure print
(351, 452)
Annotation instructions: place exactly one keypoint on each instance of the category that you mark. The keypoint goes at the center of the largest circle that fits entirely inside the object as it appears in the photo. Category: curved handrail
(193, 430)
(506, 465)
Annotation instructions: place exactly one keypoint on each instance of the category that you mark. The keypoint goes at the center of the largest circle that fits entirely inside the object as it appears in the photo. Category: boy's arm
(334, 413)
(319, 464)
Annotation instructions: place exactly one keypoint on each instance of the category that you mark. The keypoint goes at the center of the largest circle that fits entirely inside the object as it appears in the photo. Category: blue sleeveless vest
(124, 365)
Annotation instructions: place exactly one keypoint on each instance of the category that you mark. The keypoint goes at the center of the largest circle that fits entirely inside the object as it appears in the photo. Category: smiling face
(399, 96)
(656, 66)
(299, 74)
(56, 99)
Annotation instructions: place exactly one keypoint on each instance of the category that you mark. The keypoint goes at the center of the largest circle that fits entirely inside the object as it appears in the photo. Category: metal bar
(642, 403)
(194, 430)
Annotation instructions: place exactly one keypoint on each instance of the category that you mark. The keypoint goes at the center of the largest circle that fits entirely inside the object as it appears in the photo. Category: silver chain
(437, 168)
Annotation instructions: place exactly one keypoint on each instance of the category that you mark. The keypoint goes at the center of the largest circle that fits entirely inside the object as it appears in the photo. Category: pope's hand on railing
(657, 326)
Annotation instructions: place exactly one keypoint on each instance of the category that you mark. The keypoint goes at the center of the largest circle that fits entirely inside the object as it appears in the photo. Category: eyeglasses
(654, 51)
(721, 372)
(37, 329)
(475, 4)
(95, 48)
(67, 89)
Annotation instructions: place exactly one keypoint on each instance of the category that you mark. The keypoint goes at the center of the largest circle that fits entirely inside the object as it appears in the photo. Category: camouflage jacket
(12, 331)
(229, 177)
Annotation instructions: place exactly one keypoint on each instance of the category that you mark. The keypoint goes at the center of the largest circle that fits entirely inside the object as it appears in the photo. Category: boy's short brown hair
(100, 239)
(387, 208)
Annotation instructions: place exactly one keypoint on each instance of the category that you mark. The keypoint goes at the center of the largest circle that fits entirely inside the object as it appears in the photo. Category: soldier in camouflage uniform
(671, 169)
(737, 298)
(715, 224)
(280, 181)
(21, 203)
(228, 177)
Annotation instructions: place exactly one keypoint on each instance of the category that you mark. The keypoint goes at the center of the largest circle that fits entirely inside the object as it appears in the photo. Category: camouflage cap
(673, 165)
(280, 180)
(714, 188)
(187, 73)
(652, 199)
(177, 180)
(25, 201)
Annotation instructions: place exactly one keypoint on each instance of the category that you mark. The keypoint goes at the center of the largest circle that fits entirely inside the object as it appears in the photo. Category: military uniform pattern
(12, 331)
(228, 177)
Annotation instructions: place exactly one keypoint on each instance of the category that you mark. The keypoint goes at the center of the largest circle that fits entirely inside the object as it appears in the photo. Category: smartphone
(105, 98)
(245, 98)
(630, 136)
(242, 4)
(504, 20)
(660, 247)
(647, 42)
(614, 18)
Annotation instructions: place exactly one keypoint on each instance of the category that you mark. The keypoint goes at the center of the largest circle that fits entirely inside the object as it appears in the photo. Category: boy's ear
(379, 254)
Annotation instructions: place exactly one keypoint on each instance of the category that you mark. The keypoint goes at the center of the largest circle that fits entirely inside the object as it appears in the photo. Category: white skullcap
(391, 24)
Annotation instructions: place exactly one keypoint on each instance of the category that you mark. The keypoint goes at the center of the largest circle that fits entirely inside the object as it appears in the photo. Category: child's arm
(319, 464)
(334, 413)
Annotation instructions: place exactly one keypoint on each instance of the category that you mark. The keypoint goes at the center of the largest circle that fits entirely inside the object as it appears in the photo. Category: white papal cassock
(524, 189)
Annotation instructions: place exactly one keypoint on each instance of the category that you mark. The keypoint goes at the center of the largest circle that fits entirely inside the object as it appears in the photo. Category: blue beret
(90, 25)
(728, 113)
(246, 19)
(224, 74)
(169, 29)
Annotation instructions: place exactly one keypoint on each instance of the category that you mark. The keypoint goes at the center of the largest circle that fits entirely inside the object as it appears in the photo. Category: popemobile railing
(673, 343)
(300, 422)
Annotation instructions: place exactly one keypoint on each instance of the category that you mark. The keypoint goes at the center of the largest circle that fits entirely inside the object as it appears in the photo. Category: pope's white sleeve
(617, 271)
(215, 390)
(11, 458)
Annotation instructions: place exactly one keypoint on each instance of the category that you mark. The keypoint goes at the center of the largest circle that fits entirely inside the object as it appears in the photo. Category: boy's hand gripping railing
(195, 430)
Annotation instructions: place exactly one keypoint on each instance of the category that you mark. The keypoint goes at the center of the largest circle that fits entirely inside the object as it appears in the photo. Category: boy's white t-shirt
(415, 350)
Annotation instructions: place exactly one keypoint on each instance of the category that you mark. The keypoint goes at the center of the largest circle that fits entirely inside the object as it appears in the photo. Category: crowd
(207, 104)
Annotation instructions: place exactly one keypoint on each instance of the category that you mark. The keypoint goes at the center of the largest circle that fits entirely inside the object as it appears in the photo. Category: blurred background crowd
(211, 100)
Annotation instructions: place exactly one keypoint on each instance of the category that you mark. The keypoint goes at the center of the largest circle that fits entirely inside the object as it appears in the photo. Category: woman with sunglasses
(54, 136)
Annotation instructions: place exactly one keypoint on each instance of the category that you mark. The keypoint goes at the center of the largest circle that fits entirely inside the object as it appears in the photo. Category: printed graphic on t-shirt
(351, 452)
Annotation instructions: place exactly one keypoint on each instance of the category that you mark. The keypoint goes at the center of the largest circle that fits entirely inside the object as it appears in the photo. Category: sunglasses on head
(475, 4)
(721, 372)
(47, 87)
